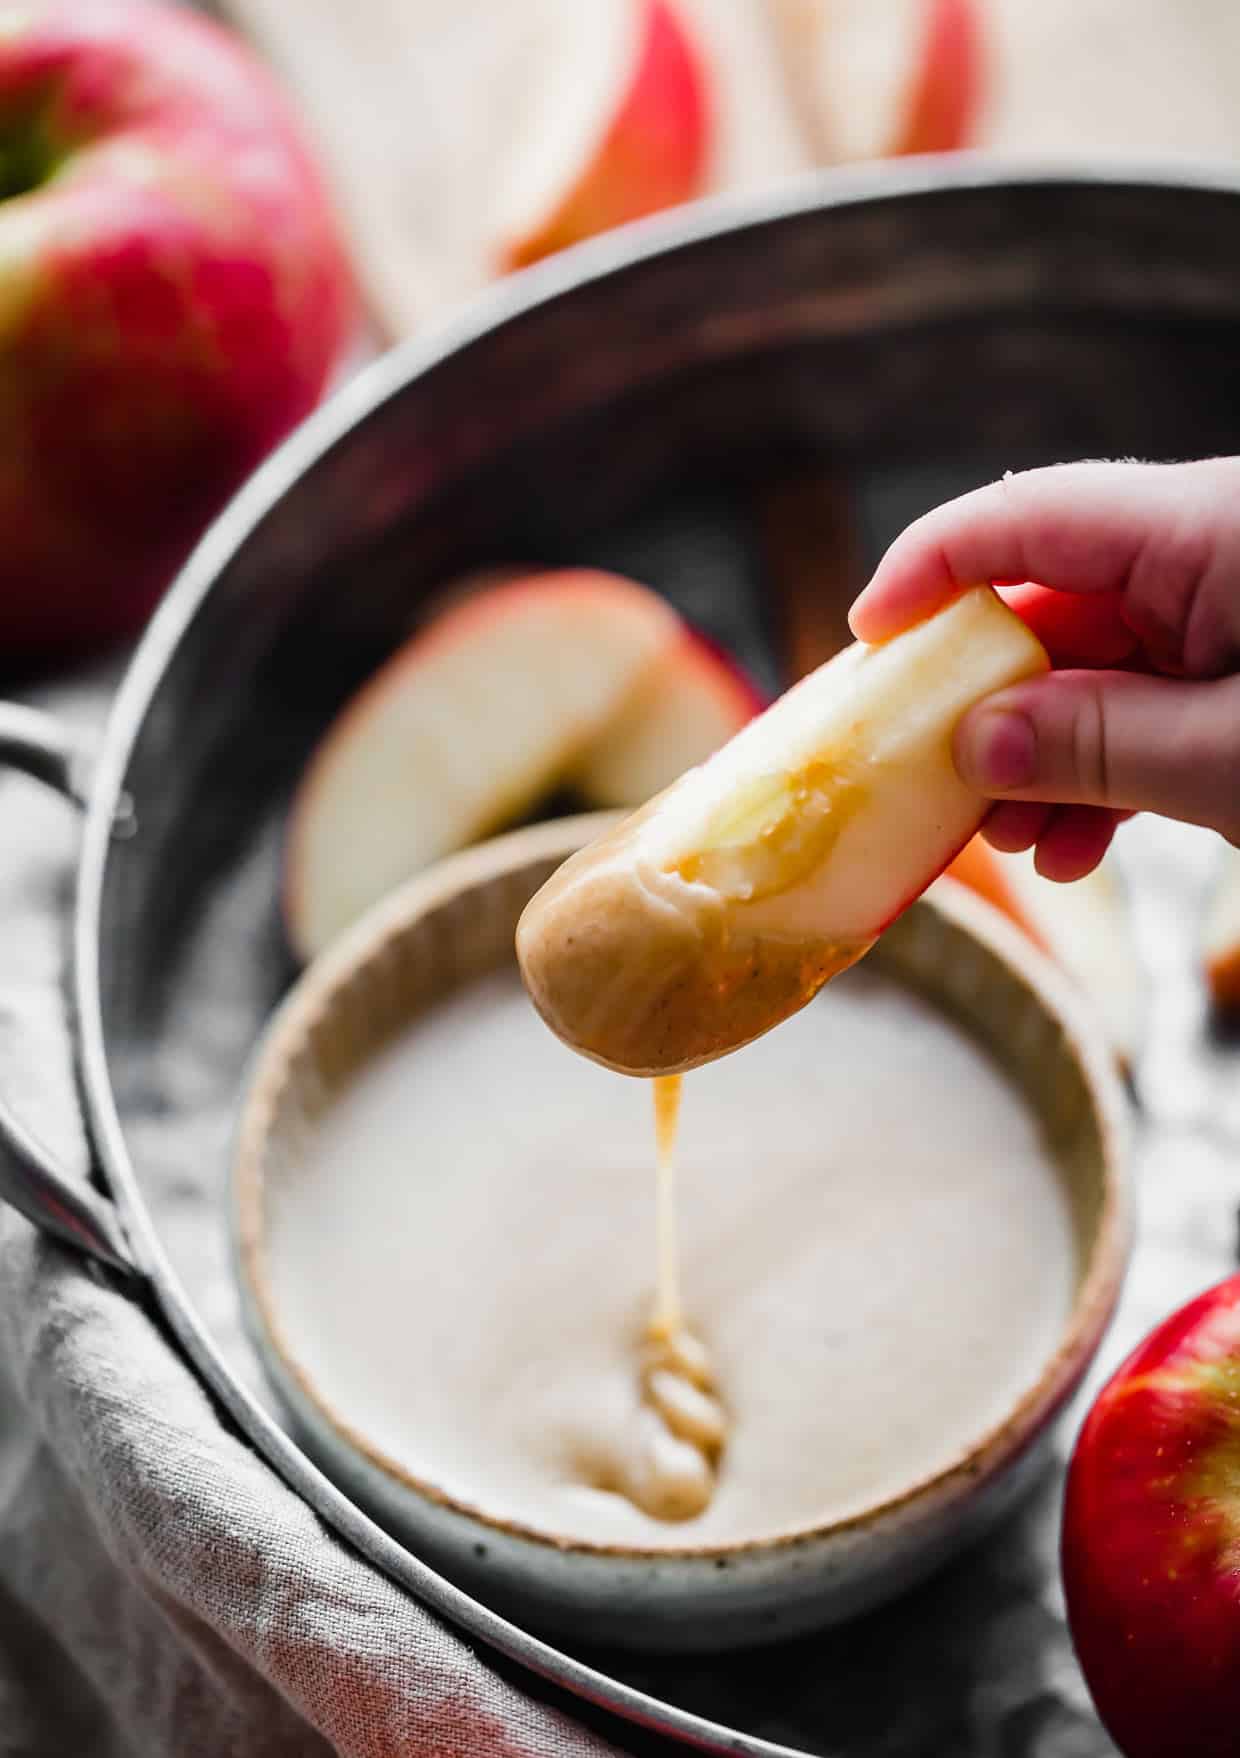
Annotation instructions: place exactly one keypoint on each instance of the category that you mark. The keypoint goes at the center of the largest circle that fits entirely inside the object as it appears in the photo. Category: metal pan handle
(30, 1179)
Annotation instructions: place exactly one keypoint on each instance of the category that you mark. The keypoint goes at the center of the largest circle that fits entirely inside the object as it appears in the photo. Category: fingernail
(996, 750)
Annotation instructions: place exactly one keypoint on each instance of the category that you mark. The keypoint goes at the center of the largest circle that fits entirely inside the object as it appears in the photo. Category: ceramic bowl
(456, 921)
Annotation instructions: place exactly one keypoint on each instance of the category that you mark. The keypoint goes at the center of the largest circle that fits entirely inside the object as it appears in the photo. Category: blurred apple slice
(483, 712)
(1086, 927)
(729, 899)
(470, 136)
(690, 701)
(631, 136)
(1221, 948)
(877, 78)
(943, 98)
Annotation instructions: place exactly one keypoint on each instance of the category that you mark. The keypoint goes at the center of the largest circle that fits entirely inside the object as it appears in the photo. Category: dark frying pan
(625, 406)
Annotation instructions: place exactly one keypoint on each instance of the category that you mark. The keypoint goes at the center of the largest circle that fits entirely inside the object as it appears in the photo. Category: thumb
(1114, 739)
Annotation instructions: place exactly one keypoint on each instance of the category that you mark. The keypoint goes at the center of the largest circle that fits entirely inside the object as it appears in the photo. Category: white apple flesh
(466, 727)
(691, 701)
(876, 81)
(726, 902)
(628, 136)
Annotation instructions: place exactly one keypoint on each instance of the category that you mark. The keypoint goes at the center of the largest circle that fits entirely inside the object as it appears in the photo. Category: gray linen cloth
(161, 1591)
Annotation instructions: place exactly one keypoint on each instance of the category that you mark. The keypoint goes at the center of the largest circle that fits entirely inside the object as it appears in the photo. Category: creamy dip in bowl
(903, 1226)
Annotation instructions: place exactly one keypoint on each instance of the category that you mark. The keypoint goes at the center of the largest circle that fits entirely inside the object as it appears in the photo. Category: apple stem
(26, 160)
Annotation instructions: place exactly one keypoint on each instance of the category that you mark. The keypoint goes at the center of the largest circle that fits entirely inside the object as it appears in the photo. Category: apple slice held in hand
(630, 138)
(722, 905)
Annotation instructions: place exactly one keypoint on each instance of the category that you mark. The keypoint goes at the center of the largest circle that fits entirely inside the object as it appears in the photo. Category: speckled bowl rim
(1098, 1288)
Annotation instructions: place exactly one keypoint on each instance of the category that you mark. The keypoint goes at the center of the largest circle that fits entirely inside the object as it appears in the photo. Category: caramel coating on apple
(648, 973)
(774, 833)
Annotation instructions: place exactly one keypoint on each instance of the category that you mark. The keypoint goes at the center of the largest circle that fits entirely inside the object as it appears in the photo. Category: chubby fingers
(1069, 841)
(1107, 739)
(1074, 842)
(1162, 539)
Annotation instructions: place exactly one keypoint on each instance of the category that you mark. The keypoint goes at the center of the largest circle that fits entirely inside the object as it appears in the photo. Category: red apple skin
(1151, 1538)
(944, 97)
(172, 301)
(734, 680)
(652, 155)
(1077, 629)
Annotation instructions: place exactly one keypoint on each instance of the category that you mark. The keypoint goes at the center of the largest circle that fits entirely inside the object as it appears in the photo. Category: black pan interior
(911, 347)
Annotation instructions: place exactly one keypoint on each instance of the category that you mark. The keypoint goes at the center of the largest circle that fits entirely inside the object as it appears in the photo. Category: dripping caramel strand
(667, 1316)
(683, 1422)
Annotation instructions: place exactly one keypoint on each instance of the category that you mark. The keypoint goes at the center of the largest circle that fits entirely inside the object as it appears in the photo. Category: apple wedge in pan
(525, 684)
(687, 704)
(459, 733)
(727, 901)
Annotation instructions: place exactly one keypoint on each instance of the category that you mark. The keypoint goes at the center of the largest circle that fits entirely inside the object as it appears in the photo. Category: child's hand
(1153, 550)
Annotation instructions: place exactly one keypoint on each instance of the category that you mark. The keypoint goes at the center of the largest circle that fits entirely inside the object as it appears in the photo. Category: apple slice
(872, 81)
(480, 714)
(632, 137)
(468, 136)
(1085, 927)
(943, 97)
(1221, 946)
(723, 904)
(690, 701)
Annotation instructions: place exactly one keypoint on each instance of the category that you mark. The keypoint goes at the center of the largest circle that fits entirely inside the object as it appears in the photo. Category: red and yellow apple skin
(173, 294)
(651, 154)
(944, 97)
(1151, 1538)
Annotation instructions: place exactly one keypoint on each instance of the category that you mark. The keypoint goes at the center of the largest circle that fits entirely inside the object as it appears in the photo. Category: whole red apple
(173, 294)
(1151, 1538)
